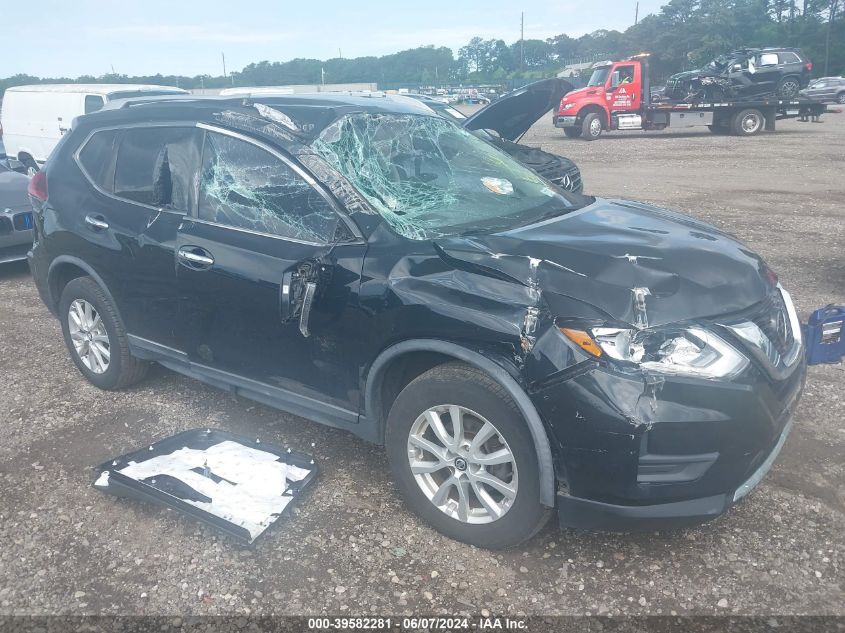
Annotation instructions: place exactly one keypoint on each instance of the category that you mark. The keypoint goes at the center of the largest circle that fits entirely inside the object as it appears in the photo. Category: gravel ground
(352, 547)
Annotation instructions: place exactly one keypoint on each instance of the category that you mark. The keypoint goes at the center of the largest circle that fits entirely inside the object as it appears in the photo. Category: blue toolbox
(825, 335)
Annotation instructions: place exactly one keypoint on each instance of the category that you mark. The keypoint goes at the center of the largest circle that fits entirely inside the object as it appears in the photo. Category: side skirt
(276, 397)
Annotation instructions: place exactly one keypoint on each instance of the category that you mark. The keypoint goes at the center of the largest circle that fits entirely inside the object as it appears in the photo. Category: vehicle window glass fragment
(247, 187)
(97, 158)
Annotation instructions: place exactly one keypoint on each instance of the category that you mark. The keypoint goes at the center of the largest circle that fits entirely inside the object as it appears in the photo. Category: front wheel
(841, 98)
(464, 459)
(96, 338)
(591, 127)
(572, 132)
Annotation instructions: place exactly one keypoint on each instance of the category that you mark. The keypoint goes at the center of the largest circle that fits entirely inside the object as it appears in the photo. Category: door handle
(195, 257)
(96, 222)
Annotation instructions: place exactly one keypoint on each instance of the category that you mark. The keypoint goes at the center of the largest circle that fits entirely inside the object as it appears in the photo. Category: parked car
(831, 89)
(15, 216)
(749, 72)
(365, 263)
(509, 117)
(34, 118)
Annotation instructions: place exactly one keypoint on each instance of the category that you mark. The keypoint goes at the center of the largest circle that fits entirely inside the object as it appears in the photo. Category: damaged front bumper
(639, 455)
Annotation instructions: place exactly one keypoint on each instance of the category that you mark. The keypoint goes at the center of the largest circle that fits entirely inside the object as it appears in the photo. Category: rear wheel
(464, 459)
(96, 338)
(748, 122)
(591, 127)
(840, 98)
(572, 132)
(788, 87)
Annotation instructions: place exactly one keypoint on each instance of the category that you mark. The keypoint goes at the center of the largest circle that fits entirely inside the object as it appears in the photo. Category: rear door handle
(96, 222)
(195, 257)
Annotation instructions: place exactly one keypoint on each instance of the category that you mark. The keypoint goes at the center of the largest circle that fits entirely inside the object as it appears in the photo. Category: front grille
(574, 180)
(23, 221)
(773, 321)
(5, 225)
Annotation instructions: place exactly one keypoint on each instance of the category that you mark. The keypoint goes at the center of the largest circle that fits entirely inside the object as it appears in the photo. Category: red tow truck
(619, 97)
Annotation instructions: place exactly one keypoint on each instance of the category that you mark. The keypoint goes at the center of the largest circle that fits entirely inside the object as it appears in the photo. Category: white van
(34, 118)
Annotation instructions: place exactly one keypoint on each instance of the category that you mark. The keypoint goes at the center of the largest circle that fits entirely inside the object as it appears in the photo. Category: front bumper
(595, 515)
(564, 121)
(15, 234)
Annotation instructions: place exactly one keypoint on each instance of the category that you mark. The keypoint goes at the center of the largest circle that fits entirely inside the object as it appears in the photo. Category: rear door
(143, 179)
(268, 274)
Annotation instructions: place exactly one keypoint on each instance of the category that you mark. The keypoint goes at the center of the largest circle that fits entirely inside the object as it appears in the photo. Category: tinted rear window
(97, 158)
(157, 166)
(788, 57)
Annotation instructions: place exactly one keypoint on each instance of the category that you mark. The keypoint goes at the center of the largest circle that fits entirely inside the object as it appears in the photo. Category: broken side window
(247, 187)
(155, 166)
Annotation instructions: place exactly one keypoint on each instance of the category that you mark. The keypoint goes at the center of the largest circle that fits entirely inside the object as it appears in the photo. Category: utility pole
(223, 55)
(339, 53)
(522, 40)
(637, 14)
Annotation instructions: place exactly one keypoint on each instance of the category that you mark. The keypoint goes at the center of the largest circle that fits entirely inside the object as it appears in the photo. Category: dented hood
(513, 113)
(605, 253)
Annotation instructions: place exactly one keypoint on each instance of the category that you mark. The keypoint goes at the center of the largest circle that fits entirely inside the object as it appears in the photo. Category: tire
(748, 122)
(591, 127)
(479, 400)
(840, 98)
(788, 87)
(103, 357)
(572, 132)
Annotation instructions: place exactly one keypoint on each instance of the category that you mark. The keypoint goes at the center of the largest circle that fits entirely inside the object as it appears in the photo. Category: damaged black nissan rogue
(365, 263)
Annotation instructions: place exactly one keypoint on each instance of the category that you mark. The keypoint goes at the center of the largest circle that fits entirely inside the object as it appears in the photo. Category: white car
(35, 117)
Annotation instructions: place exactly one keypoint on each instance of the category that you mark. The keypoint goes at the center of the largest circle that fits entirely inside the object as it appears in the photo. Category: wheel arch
(62, 270)
(591, 108)
(432, 350)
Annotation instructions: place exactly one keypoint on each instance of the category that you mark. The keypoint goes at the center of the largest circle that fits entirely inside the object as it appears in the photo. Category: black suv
(746, 73)
(370, 265)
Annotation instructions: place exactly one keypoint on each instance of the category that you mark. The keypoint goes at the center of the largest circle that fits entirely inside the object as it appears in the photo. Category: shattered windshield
(430, 178)
(599, 76)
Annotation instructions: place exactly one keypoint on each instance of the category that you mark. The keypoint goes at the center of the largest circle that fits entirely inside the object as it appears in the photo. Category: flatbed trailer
(627, 104)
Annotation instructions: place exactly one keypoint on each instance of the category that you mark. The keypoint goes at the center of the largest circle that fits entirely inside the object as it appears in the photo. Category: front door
(624, 88)
(268, 275)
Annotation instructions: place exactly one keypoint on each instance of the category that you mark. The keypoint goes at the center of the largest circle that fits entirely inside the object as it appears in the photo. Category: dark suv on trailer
(745, 73)
(370, 265)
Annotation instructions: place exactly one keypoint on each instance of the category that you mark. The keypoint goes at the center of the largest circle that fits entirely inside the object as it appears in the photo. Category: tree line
(683, 34)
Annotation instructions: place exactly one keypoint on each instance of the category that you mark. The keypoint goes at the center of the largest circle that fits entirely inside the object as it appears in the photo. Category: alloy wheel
(462, 464)
(89, 336)
(841, 98)
(595, 127)
(789, 88)
(751, 123)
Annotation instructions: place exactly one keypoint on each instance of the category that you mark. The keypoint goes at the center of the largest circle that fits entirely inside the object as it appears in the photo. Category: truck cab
(612, 99)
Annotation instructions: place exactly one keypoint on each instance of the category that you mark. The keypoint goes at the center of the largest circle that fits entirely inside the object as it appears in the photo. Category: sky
(186, 37)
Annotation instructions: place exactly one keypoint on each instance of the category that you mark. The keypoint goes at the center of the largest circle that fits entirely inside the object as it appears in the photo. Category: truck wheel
(788, 87)
(464, 459)
(572, 132)
(748, 122)
(591, 128)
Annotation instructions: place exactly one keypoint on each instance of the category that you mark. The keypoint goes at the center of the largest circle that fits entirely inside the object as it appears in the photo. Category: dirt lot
(353, 547)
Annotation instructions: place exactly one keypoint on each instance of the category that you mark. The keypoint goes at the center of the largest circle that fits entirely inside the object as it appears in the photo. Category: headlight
(684, 351)
(567, 106)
